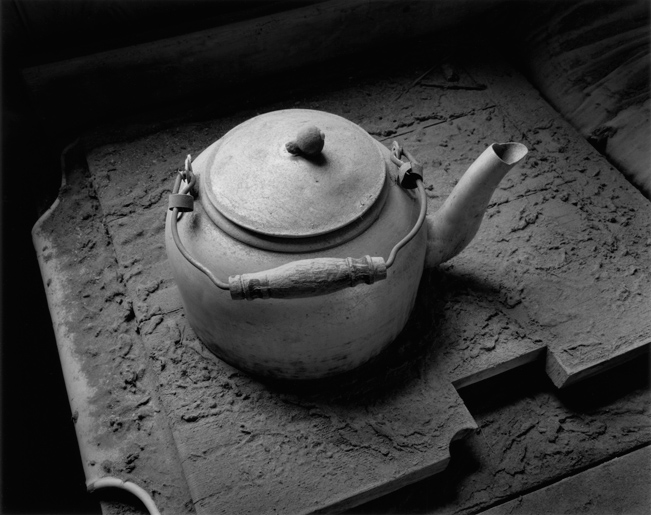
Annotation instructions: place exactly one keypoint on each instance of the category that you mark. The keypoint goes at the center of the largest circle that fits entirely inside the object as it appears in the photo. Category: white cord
(114, 482)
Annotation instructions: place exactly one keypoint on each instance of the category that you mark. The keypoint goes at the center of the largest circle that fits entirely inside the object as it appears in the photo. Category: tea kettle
(295, 211)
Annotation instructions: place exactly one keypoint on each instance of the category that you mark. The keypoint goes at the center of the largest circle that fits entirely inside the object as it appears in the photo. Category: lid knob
(308, 142)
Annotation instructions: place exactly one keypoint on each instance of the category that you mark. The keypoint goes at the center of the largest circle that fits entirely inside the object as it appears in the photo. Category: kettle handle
(306, 277)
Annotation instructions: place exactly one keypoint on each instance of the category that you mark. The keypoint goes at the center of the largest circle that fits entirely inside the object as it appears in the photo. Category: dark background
(41, 466)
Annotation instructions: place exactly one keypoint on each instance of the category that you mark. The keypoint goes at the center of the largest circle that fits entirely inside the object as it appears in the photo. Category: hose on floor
(114, 482)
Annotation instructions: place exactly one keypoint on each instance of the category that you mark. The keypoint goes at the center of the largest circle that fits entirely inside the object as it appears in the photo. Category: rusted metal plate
(246, 445)
(558, 267)
(121, 425)
(619, 485)
(565, 245)
(242, 444)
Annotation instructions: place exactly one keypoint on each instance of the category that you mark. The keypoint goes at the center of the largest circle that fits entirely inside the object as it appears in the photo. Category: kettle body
(310, 336)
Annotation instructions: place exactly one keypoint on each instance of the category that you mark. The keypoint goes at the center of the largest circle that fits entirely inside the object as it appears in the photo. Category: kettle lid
(256, 182)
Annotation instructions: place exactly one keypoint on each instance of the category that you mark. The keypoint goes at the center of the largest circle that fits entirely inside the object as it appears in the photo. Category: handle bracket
(409, 172)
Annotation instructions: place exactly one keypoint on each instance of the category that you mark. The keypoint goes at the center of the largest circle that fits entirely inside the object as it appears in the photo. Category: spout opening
(510, 153)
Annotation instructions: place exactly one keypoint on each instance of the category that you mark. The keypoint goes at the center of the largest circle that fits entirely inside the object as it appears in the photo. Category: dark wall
(51, 30)
(41, 467)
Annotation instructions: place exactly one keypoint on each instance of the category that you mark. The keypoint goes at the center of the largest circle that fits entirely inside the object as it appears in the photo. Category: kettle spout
(455, 224)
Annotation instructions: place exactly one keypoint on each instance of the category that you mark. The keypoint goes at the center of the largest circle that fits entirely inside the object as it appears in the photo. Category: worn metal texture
(121, 427)
(246, 445)
(620, 485)
(532, 435)
(558, 269)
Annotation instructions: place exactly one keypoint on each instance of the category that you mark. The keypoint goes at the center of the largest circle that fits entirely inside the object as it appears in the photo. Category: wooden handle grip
(307, 278)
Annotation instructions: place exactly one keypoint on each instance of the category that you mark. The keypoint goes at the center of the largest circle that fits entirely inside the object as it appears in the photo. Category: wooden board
(620, 485)
(558, 269)
(213, 60)
(592, 63)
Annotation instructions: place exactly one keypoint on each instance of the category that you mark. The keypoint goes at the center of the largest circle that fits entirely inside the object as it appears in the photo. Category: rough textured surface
(245, 444)
(560, 255)
(566, 240)
(619, 486)
(121, 428)
(530, 435)
(562, 247)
